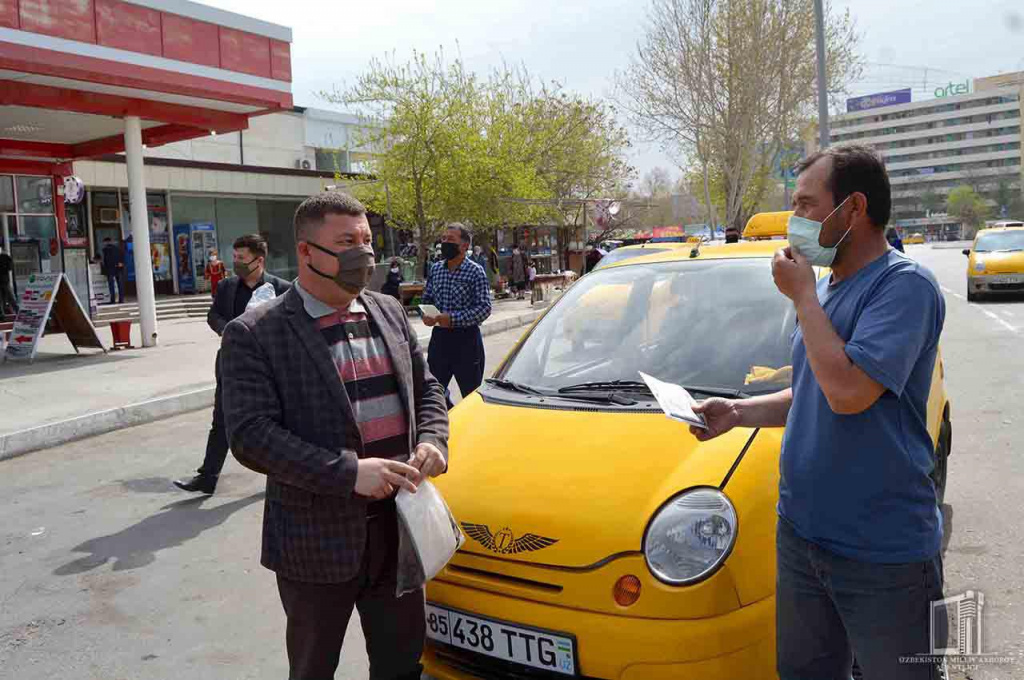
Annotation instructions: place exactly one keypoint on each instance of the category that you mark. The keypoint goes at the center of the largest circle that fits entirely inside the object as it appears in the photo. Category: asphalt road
(107, 572)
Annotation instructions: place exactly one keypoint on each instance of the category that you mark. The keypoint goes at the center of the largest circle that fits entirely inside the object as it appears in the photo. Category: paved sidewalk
(63, 396)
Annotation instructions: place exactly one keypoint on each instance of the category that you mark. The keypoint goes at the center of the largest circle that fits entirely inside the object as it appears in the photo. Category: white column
(140, 230)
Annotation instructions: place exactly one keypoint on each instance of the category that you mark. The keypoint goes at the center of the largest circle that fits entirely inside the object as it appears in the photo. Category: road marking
(958, 296)
(992, 315)
(946, 290)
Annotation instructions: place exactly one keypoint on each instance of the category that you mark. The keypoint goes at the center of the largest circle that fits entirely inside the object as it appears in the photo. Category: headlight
(690, 536)
(979, 266)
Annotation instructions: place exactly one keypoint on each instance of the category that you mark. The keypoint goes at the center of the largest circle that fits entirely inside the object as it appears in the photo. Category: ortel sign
(954, 89)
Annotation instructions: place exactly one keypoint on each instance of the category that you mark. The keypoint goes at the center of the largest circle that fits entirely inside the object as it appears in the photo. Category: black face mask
(355, 267)
(450, 251)
(243, 269)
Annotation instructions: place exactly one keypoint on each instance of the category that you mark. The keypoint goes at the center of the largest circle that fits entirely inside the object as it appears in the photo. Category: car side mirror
(967, 252)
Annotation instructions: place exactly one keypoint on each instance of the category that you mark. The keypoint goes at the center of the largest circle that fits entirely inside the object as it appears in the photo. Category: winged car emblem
(504, 542)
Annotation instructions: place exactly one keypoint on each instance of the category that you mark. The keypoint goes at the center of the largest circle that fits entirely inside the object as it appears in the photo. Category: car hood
(570, 487)
(999, 263)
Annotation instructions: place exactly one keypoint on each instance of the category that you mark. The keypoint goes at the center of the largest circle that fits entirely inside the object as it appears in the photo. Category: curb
(19, 443)
(46, 436)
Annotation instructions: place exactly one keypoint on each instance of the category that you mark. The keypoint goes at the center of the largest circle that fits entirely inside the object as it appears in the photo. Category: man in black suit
(327, 392)
(6, 294)
(232, 299)
(113, 268)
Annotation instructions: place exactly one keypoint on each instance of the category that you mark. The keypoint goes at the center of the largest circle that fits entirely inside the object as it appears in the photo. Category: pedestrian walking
(112, 266)
(458, 288)
(7, 297)
(230, 302)
(531, 274)
(859, 528)
(215, 272)
(392, 285)
(327, 393)
(519, 267)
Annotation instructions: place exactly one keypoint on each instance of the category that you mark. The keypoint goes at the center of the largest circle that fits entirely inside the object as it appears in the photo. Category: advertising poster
(36, 301)
(183, 258)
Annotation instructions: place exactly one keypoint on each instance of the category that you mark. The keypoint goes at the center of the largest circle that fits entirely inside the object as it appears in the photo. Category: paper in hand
(675, 401)
(429, 311)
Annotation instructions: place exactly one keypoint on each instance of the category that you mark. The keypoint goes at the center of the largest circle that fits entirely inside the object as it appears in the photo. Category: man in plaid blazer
(326, 391)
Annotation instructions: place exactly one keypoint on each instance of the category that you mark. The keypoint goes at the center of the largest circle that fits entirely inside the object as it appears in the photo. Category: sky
(921, 44)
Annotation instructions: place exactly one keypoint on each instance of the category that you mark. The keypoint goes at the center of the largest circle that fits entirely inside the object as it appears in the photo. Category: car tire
(972, 297)
(941, 469)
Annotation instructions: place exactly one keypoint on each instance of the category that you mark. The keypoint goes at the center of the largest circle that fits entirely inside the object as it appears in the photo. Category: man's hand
(379, 477)
(429, 321)
(720, 415)
(794, 275)
(428, 460)
(444, 320)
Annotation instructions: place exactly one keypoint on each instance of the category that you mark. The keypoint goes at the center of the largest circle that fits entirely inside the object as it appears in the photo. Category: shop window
(6, 193)
(35, 194)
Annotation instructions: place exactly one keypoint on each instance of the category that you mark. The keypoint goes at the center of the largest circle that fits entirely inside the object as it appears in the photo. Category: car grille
(486, 668)
(1006, 286)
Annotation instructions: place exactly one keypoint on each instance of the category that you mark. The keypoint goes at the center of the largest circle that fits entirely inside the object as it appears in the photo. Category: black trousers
(318, 614)
(7, 297)
(457, 352)
(217, 440)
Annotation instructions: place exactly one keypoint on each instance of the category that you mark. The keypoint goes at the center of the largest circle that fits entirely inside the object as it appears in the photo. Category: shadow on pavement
(48, 362)
(137, 545)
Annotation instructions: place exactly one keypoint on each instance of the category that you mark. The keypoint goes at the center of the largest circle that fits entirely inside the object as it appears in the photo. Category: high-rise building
(964, 136)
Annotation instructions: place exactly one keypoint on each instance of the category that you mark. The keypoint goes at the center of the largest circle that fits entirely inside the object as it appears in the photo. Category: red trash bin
(121, 329)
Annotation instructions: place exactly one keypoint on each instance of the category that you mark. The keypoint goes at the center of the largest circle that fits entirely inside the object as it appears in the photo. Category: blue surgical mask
(803, 235)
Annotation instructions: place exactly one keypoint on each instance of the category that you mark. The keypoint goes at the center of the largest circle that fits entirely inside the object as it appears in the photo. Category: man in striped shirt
(458, 287)
(326, 392)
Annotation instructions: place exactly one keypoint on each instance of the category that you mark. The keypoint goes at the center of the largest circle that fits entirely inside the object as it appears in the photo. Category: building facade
(931, 147)
(204, 193)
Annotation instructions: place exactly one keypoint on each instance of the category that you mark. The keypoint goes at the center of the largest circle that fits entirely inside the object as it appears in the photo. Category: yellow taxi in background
(913, 239)
(603, 539)
(995, 262)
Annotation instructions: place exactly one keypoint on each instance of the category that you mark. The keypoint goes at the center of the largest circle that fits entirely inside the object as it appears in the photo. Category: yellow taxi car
(767, 225)
(913, 239)
(603, 539)
(995, 262)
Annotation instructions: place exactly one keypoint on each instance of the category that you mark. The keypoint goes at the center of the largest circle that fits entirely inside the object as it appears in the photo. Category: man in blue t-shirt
(859, 531)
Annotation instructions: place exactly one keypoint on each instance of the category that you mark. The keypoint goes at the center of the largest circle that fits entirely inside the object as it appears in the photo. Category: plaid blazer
(288, 416)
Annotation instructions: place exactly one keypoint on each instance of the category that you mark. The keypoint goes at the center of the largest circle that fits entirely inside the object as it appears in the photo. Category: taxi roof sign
(767, 225)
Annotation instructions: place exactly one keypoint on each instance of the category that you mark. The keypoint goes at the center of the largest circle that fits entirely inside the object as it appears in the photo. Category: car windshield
(621, 254)
(1000, 240)
(717, 324)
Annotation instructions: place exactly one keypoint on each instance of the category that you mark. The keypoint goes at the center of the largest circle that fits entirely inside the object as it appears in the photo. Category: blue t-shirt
(859, 485)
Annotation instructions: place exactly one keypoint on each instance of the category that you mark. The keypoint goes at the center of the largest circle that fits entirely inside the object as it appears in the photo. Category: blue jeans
(830, 608)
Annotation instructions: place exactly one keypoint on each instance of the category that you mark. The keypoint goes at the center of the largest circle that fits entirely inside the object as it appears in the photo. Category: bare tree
(728, 82)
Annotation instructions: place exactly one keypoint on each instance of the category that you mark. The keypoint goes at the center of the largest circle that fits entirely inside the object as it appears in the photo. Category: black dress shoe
(200, 483)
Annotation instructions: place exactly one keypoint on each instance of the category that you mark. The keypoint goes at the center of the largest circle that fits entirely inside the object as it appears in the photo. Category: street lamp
(819, 17)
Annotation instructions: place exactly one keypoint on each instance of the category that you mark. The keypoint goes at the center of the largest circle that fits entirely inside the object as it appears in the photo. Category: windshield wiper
(513, 386)
(605, 385)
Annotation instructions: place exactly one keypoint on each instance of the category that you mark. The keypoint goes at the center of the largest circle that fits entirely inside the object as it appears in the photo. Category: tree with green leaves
(728, 83)
(449, 146)
(965, 204)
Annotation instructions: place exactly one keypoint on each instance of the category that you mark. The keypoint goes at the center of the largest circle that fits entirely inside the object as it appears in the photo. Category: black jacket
(113, 259)
(223, 310)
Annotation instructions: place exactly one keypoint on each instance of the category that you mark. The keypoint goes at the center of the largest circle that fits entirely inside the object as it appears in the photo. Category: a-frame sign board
(50, 299)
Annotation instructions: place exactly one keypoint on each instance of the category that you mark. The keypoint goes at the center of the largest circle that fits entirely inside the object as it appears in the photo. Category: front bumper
(994, 284)
(740, 644)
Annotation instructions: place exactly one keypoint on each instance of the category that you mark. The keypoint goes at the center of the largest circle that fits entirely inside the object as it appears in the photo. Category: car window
(1000, 240)
(621, 254)
(719, 323)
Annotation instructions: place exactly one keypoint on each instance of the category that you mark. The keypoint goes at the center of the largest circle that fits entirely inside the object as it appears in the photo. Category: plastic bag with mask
(261, 295)
(428, 537)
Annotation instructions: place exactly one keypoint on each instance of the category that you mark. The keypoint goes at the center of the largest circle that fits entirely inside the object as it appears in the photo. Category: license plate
(525, 646)
(1009, 279)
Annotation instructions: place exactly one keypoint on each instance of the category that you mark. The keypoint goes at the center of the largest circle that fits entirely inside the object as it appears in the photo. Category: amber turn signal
(627, 591)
